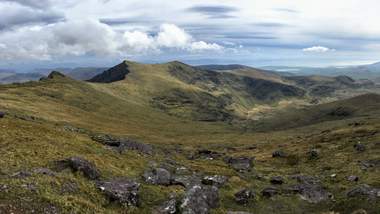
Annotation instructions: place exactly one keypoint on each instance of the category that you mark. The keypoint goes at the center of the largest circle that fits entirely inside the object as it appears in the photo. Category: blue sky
(70, 33)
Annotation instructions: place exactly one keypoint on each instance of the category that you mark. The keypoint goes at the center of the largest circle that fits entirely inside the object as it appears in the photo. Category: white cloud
(90, 37)
(203, 46)
(317, 49)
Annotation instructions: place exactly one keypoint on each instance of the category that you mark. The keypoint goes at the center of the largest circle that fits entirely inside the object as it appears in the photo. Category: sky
(71, 33)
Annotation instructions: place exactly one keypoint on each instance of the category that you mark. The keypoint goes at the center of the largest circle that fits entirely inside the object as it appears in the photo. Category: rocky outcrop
(215, 180)
(123, 144)
(158, 176)
(122, 190)
(200, 200)
(364, 190)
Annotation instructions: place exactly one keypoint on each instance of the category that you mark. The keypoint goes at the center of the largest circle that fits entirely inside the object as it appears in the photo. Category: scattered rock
(168, 207)
(243, 196)
(278, 154)
(270, 192)
(240, 164)
(4, 188)
(205, 154)
(157, 176)
(79, 164)
(187, 181)
(122, 190)
(215, 180)
(310, 189)
(367, 164)
(360, 147)
(360, 211)
(353, 178)
(364, 190)
(200, 199)
(2, 114)
(123, 144)
(44, 171)
(29, 186)
(313, 154)
(277, 180)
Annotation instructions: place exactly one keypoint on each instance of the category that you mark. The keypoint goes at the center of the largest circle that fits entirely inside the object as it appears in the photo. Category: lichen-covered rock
(187, 181)
(168, 207)
(240, 164)
(157, 176)
(215, 180)
(244, 196)
(364, 190)
(121, 190)
(310, 189)
(200, 200)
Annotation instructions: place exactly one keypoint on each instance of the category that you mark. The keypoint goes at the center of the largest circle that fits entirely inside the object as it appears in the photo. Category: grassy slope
(120, 108)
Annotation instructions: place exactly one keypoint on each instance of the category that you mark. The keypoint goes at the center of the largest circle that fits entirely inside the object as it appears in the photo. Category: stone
(123, 144)
(310, 189)
(353, 178)
(277, 180)
(270, 192)
(88, 169)
(2, 114)
(69, 187)
(368, 164)
(215, 180)
(364, 190)
(313, 154)
(244, 196)
(168, 207)
(158, 176)
(360, 147)
(240, 164)
(122, 190)
(187, 181)
(237, 212)
(278, 154)
(200, 200)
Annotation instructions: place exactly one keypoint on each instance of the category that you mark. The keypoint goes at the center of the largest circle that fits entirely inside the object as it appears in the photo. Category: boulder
(240, 164)
(359, 147)
(353, 178)
(278, 154)
(368, 164)
(168, 207)
(310, 189)
(200, 200)
(244, 196)
(2, 114)
(269, 192)
(215, 180)
(121, 190)
(88, 169)
(123, 144)
(187, 181)
(364, 190)
(277, 180)
(157, 176)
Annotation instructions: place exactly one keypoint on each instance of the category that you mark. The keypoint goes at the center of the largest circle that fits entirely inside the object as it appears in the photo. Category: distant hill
(20, 78)
(370, 71)
(84, 73)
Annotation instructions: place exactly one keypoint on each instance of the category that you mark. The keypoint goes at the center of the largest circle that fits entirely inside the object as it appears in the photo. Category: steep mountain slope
(190, 92)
